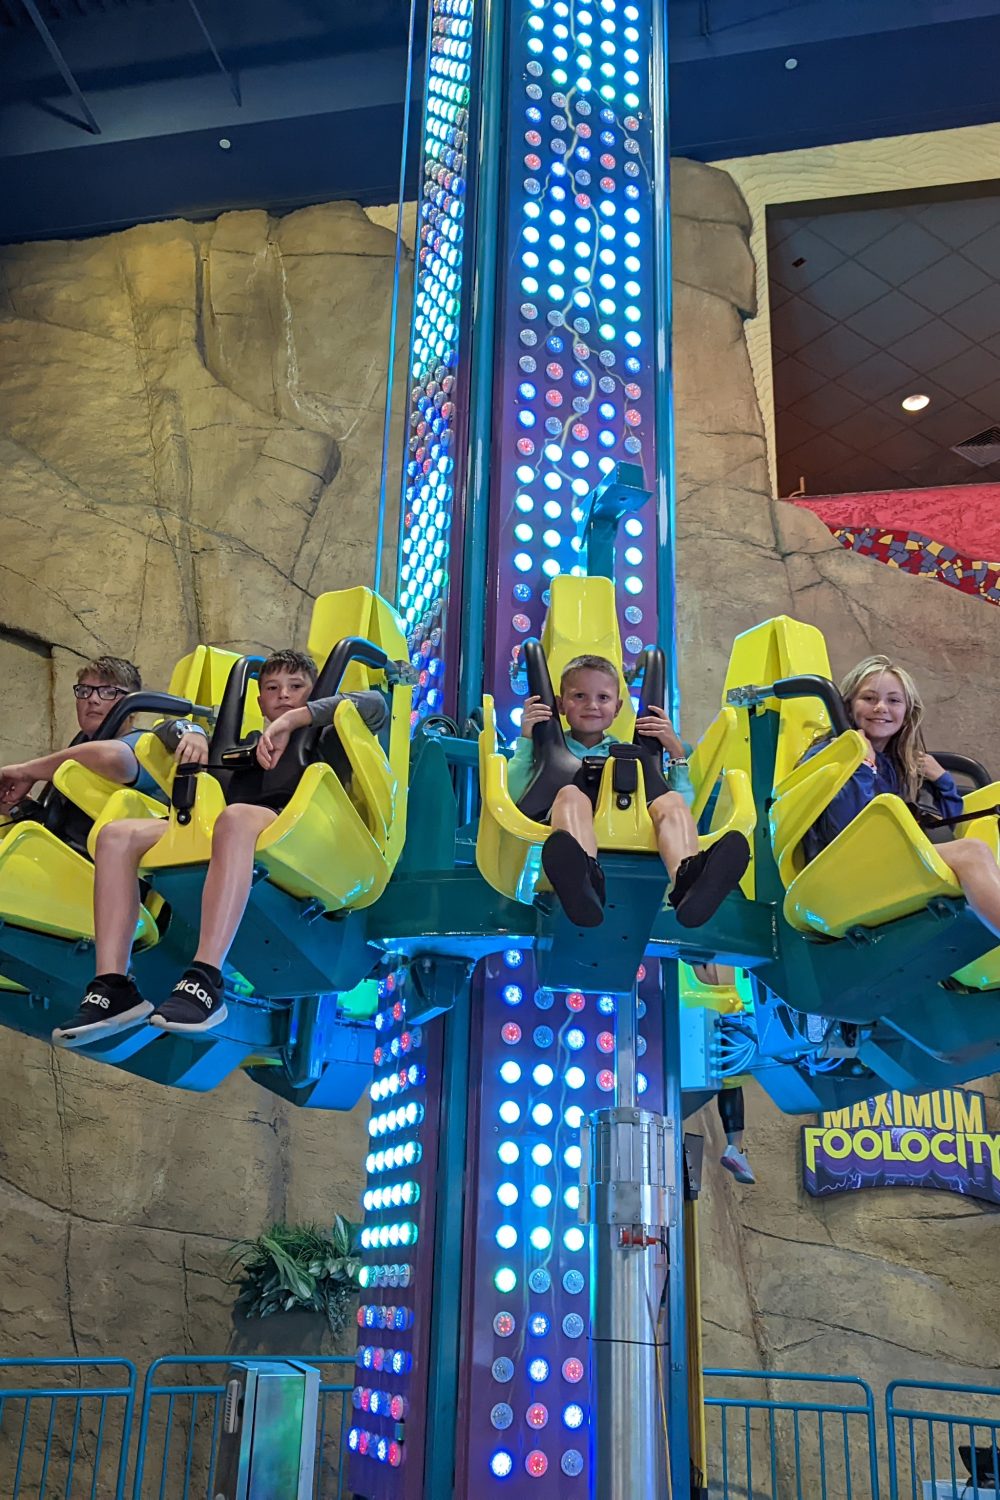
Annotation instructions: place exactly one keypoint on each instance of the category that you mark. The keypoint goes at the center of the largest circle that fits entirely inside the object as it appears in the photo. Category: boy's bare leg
(676, 832)
(118, 854)
(979, 876)
(573, 812)
(227, 884)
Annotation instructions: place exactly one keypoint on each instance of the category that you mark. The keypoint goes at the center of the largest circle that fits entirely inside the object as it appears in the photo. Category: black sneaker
(577, 880)
(195, 1004)
(704, 880)
(112, 1003)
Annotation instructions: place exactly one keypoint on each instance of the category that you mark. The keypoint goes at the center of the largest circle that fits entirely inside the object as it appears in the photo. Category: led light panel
(428, 500)
(576, 357)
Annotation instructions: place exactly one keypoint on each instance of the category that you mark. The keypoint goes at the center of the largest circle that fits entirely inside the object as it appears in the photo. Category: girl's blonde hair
(907, 744)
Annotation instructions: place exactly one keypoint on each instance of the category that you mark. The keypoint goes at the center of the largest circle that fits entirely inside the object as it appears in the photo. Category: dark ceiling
(309, 95)
(873, 300)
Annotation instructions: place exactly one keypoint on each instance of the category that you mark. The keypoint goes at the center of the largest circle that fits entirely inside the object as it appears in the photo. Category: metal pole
(631, 1196)
(677, 1311)
(55, 52)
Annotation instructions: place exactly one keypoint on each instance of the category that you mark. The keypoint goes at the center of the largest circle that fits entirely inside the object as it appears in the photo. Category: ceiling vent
(982, 449)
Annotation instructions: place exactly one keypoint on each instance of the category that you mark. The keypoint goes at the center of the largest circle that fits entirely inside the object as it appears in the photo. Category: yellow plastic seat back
(778, 648)
(358, 611)
(201, 677)
(582, 620)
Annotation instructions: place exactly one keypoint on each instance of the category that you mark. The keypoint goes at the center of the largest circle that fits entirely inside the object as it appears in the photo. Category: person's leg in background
(732, 1113)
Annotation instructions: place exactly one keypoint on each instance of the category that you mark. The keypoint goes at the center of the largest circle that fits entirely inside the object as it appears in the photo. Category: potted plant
(297, 1283)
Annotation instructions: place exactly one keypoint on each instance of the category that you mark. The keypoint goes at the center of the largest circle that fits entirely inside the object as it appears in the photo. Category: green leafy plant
(298, 1265)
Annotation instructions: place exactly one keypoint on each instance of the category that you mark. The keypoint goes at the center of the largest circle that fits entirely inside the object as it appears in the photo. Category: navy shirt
(867, 783)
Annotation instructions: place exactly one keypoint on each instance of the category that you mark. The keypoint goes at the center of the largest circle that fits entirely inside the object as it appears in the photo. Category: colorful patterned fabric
(900, 529)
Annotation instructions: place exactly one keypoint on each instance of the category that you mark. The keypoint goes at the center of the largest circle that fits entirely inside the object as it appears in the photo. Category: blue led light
(539, 1280)
(538, 1370)
(513, 958)
(501, 1464)
(573, 1416)
(508, 1152)
(606, 1005)
(510, 1071)
(538, 1324)
(512, 994)
(575, 1039)
(541, 1154)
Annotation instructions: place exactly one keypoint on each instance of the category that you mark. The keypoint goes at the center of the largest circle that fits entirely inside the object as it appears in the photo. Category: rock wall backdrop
(190, 438)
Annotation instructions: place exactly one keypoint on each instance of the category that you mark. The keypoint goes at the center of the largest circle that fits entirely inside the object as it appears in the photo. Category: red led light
(361, 1317)
(633, 391)
(503, 1324)
(533, 162)
(510, 1032)
(406, 1041)
(606, 1041)
(606, 1080)
(575, 1001)
(537, 1415)
(581, 431)
(397, 1009)
(378, 1358)
(582, 200)
(572, 1370)
(583, 131)
(362, 1442)
(397, 1408)
(390, 983)
(608, 184)
(553, 398)
(366, 1399)
(378, 1057)
(554, 371)
(608, 161)
(395, 1455)
(532, 138)
(525, 446)
(536, 1463)
(521, 622)
(633, 417)
(640, 973)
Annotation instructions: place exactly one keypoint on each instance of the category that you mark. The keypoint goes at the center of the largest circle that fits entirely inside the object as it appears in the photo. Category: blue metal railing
(936, 1432)
(816, 1441)
(180, 1418)
(65, 1427)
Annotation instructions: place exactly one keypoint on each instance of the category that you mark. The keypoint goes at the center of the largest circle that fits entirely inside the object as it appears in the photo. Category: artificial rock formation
(190, 437)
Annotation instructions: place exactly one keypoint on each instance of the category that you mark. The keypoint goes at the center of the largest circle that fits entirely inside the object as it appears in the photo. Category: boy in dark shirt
(196, 1004)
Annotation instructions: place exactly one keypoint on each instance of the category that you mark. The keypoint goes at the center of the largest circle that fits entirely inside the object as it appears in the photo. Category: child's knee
(669, 805)
(115, 841)
(571, 797)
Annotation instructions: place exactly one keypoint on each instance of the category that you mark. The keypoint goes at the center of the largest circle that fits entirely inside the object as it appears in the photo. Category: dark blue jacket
(864, 785)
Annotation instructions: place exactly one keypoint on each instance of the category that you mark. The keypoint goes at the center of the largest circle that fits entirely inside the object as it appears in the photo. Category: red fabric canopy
(963, 516)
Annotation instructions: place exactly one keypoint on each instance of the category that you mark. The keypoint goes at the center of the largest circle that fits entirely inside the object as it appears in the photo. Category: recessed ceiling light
(915, 402)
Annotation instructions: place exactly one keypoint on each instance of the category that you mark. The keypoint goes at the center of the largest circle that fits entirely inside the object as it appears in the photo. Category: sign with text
(936, 1140)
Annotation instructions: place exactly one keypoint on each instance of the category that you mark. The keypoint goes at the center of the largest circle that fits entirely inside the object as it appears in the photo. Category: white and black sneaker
(195, 1004)
(112, 1003)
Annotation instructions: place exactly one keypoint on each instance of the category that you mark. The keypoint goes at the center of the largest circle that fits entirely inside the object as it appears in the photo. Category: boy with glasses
(98, 687)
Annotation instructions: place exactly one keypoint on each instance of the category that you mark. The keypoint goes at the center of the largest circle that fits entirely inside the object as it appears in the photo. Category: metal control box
(267, 1436)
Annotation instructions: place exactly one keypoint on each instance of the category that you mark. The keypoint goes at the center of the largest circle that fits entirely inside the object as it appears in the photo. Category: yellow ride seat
(582, 619)
(331, 844)
(882, 866)
(201, 677)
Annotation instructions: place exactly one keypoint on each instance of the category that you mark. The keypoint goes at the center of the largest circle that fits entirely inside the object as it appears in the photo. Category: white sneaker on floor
(734, 1160)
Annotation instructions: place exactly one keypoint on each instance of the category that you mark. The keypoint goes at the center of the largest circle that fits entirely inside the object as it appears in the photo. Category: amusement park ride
(530, 1209)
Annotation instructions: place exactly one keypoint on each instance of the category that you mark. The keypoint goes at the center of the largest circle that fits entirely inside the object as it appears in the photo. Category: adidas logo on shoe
(93, 998)
(191, 987)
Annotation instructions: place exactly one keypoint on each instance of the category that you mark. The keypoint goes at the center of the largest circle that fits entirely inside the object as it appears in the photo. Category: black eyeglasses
(104, 691)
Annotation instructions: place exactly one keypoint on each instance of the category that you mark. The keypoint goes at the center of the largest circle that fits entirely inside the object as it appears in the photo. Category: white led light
(510, 1112)
(573, 1116)
(575, 1078)
(507, 1194)
(541, 1195)
(573, 1156)
(542, 1114)
(541, 1238)
(573, 1239)
(508, 1152)
(510, 1071)
(542, 1074)
(541, 1154)
(506, 1236)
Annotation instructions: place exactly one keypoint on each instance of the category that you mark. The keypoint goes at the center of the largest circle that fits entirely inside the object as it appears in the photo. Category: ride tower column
(539, 365)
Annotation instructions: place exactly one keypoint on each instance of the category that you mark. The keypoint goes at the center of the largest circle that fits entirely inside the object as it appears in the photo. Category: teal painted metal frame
(75, 1395)
(678, 1402)
(967, 1425)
